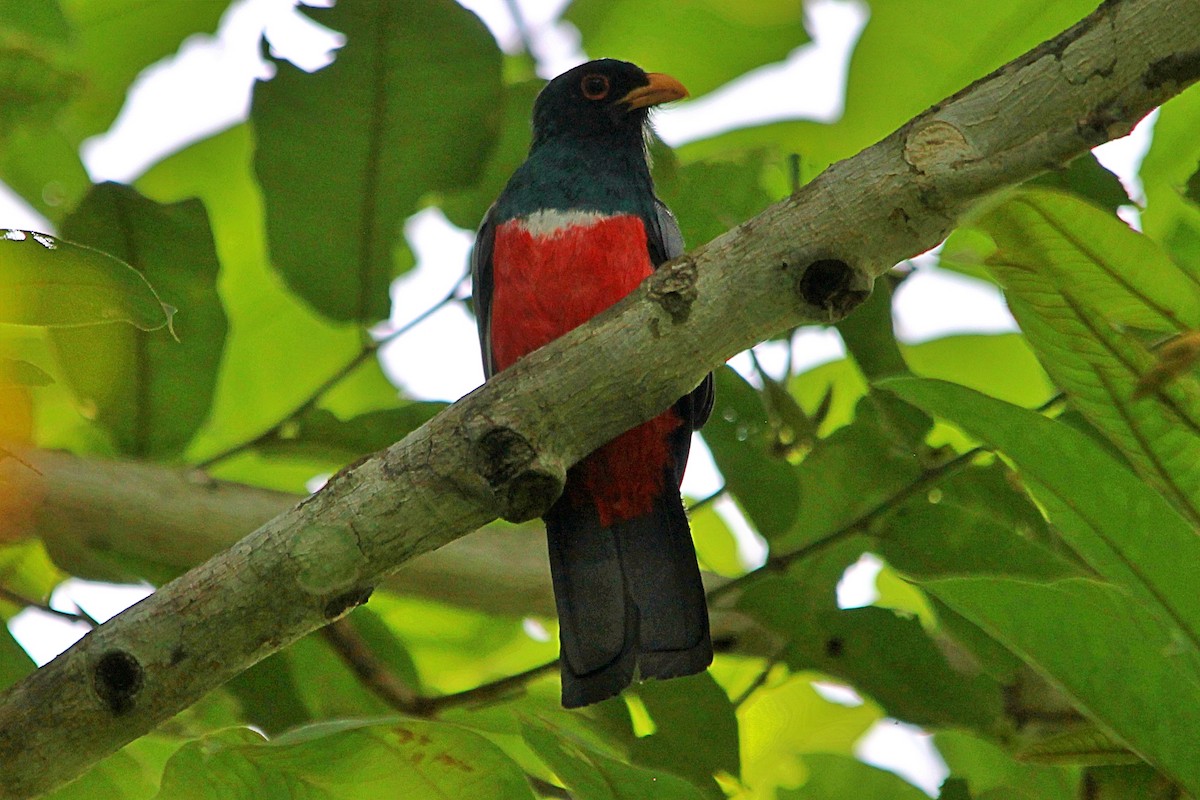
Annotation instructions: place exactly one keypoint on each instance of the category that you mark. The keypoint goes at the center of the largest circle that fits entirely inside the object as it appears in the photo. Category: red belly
(545, 286)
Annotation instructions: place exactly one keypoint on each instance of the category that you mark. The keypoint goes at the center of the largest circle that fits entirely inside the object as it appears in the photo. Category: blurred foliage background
(1033, 497)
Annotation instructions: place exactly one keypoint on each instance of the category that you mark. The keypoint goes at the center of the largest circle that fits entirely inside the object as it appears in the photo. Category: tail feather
(630, 600)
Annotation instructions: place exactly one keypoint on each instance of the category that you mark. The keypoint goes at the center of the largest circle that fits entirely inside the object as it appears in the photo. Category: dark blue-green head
(601, 101)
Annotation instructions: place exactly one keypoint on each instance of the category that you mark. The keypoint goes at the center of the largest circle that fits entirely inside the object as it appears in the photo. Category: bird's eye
(595, 87)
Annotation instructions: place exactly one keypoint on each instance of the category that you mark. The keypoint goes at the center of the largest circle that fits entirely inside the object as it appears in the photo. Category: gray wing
(481, 288)
(666, 243)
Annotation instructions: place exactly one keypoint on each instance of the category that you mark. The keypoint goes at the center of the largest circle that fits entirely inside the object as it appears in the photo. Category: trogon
(577, 228)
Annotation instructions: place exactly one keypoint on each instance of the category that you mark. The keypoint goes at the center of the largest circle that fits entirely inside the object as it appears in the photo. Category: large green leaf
(733, 37)
(710, 197)
(102, 47)
(1082, 284)
(32, 85)
(1169, 218)
(675, 708)
(1118, 525)
(38, 18)
(466, 207)
(991, 772)
(14, 372)
(146, 31)
(413, 103)
(858, 467)
(870, 336)
(131, 773)
(1091, 258)
(348, 760)
(1086, 177)
(783, 723)
(879, 653)
(48, 281)
(589, 773)
(738, 435)
(947, 45)
(15, 663)
(1121, 664)
(1000, 365)
(149, 392)
(278, 350)
(831, 775)
(974, 523)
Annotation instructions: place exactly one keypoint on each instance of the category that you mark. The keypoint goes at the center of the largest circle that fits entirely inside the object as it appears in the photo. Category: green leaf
(25, 568)
(857, 467)
(870, 336)
(41, 19)
(879, 653)
(15, 663)
(14, 372)
(974, 523)
(734, 37)
(1122, 528)
(1129, 782)
(1087, 745)
(987, 769)
(716, 546)
(1000, 365)
(1192, 190)
(1090, 258)
(1113, 657)
(150, 393)
(32, 86)
(780, 724)
(466, 207)
(52, 282)
(349, 760)
(710, 197)
(1169, 218)
(947, 45)
(1087, 178)
(841, 380)
(131, 773)
(40, 163)
(278, 351)
(831, 775)
(738, 434)
(677, 708)
(147, 31)
(587, 772)
(321, 434)
(1077, 282)
(415, 99)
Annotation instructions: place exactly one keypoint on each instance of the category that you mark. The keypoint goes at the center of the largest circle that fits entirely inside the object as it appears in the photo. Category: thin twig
(488, 692)
(523, 32)
(368, 349)
(704, 501)
(927, 480)
(371, 670)
(762, 676)
(18, 599)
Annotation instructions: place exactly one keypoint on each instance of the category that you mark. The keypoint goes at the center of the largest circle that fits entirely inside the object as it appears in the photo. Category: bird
(577, 227)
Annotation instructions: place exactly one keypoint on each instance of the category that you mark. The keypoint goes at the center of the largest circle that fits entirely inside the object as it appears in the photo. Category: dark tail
(630, 601)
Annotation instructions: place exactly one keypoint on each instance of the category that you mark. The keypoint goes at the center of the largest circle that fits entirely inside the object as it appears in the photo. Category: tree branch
(503, 450)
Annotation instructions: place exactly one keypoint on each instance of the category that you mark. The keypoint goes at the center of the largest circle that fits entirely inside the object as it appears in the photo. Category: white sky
(207, 87)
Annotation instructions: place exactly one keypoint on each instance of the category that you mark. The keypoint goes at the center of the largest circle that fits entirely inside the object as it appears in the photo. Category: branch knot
(524, 483)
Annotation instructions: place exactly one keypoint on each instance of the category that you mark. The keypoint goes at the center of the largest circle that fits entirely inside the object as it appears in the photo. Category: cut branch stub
(833, 286)
(525, 484)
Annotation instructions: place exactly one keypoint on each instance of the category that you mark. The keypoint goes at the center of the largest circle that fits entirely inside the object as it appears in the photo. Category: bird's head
(605, 100)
